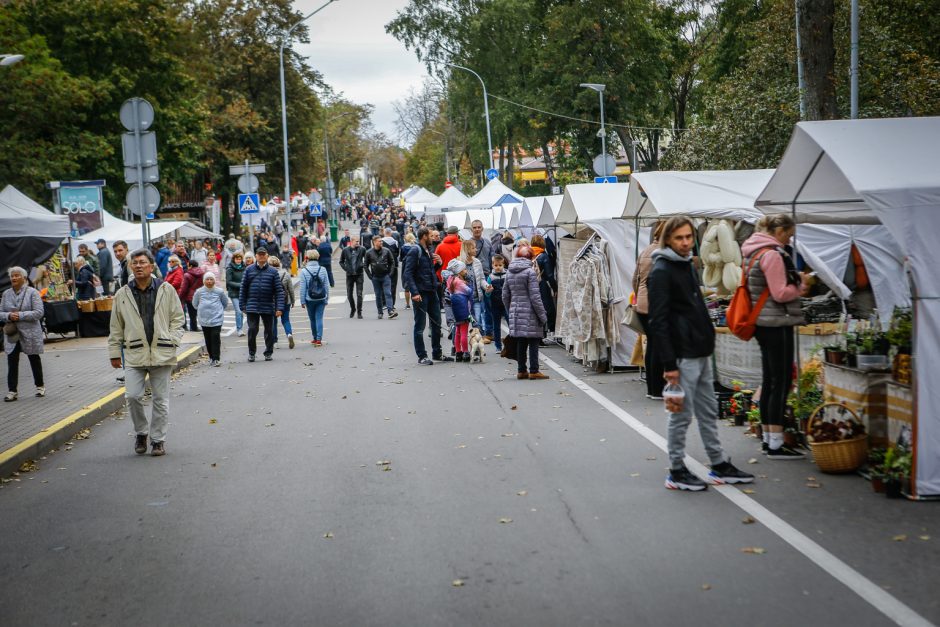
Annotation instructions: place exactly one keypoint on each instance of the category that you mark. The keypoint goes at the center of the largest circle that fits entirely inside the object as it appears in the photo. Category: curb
(62, 431)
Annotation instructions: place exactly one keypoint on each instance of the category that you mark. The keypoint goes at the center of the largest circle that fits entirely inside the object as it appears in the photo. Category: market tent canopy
(592, 201)
(492, 193)
(29, 233)
(506, 214)
(448, 200)
(827, 176)
(550, 208)
(115, 229)
(488, 217)
(530, 212)
(411, 191)
(708, 194)
(455, 218)
(417, 202)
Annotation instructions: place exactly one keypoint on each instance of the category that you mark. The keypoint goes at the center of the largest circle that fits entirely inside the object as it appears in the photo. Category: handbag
(632, 319)
(509, 348)
(741, 315)
(10, 330)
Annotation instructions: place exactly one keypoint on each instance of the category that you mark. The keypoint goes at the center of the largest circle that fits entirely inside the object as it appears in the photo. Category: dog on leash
(477, 347)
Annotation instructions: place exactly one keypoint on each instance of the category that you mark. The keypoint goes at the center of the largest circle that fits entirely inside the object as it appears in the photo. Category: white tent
(514, 216)
(411, 191)
(549, 213)
(728, 194)
(115, 229)
(709, 194)
(451, 198)
(489, 218)
(417, 201)
(827, 175)
(530, 212)
(591, 201)
(491, 193)
(455, 218)
(21, 216)
(506, 214)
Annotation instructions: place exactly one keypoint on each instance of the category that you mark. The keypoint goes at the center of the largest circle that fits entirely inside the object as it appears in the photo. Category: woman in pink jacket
(767, 253)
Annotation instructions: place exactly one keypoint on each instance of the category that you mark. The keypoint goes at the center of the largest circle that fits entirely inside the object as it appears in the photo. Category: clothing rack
(587, 246)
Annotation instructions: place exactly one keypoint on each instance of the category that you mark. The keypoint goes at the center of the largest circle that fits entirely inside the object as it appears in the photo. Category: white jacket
(127, 329)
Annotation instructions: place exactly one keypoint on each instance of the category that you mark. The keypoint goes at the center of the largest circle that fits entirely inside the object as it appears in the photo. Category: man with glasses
(146, 330)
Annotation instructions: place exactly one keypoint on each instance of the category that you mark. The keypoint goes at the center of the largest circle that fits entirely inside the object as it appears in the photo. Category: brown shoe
(522, 375)
(140, 444)
(158, 450)
(537, 375)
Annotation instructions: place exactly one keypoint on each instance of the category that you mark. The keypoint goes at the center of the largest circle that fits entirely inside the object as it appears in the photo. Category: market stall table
(865, 393)
(61, 316)
(94, 324)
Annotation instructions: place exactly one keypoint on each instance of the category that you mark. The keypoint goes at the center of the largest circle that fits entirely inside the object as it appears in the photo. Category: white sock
(765, 435)
(776, 441)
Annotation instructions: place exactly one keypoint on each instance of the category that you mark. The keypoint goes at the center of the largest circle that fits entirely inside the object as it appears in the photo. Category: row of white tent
(889, 208)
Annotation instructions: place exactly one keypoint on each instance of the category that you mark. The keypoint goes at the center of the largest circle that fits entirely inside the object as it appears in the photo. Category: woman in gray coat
(22, 306)
(525, 311)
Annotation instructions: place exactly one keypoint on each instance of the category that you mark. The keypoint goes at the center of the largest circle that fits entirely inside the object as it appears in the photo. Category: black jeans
(354, 280)
(528, 345)
(192, 316)
(652, 363)
(776, 357)
(269, 328)
(13, 368)
(328, 266)
(213, 336)
(394, 286)
(429, 307)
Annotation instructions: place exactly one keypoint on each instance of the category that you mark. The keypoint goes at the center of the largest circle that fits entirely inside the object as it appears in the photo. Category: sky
(350, 47)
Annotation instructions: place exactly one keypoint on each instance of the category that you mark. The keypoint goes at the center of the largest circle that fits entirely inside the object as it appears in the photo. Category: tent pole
(799, 364)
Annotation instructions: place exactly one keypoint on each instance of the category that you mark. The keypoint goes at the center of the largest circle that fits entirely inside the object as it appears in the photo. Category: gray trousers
(134, 382)
(697, 380)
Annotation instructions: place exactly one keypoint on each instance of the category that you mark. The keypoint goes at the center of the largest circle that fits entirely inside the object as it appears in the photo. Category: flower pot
(756, 429)
(878, 484)
(835, 357)
(740, 419)
(893, 487)
(791, 439)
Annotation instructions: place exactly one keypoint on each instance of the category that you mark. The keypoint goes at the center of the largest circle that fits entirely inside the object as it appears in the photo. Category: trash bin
(334, 230)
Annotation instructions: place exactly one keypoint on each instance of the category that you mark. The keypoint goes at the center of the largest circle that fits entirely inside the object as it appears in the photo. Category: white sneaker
(11, 396)
(241, 334)
(41, 391)
(290, 341)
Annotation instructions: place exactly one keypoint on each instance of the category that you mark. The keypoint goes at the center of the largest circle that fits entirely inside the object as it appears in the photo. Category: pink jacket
(772, 266)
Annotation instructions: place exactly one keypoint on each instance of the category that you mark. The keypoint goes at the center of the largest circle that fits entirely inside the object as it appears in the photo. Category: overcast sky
(357, 57)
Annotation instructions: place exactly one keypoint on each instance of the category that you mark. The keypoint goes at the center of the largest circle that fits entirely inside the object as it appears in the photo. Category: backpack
(316, 290)
(741, 315)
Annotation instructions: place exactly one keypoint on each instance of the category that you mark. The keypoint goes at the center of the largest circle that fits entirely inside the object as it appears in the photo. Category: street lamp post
(284, 39)
(599, 88)
(486, 110)
(10, 59)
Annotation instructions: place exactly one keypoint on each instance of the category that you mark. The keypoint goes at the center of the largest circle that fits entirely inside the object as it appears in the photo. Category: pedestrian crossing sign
(248, 203)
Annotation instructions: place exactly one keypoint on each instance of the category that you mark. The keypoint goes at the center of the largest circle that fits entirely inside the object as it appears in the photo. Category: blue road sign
(151, 216)
(248, 203)
(605, 179)
(316, 210)
(491, 174)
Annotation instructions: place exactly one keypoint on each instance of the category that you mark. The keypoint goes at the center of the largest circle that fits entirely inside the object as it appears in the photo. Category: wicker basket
(86, 306)
(842, 456)
(104, 304)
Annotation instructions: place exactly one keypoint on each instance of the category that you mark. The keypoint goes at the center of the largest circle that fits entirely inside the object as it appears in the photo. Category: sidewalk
(81, 389)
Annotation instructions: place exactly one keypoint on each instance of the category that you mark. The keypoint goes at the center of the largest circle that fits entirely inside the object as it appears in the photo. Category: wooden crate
(865, 393)
(900, 409)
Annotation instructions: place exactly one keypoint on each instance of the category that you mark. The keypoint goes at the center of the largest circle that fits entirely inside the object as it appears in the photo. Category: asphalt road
(345, 485)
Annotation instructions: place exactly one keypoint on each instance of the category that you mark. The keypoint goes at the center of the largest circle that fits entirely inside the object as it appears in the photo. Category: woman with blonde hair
(769, 265)
(475, 277)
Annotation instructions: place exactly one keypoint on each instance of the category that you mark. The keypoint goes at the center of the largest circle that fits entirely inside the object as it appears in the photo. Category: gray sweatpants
(697, 380)
(134, 382)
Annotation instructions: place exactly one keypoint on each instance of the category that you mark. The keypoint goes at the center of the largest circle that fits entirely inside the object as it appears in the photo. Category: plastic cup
(673, 398)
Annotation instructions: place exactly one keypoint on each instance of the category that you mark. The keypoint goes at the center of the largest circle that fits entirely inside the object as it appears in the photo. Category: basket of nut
(837, 438)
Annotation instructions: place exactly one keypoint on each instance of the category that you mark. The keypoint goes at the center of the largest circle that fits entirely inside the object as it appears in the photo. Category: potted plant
(896, 470)
(753, 419)
(835, 354)
(740, 403)
(807, 394)
(872, 350)
(876, 461)
(900, 333)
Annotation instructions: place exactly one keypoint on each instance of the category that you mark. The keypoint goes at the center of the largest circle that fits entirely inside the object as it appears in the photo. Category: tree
(817, 50)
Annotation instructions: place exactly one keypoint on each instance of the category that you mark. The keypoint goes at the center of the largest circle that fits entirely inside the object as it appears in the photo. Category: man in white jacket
(147, 323)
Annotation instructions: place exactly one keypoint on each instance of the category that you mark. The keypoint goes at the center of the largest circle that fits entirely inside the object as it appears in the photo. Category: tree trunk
(502, 161)
(549, 164)
(819, 54)
(511, 165)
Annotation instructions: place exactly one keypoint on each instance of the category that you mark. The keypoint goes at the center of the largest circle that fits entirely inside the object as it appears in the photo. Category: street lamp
(599, 88)
(10, 59)
(284, 39)
(329, 174)
(486, 110)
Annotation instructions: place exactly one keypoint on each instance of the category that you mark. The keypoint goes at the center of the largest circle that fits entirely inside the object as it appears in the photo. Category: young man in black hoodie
(683, 336)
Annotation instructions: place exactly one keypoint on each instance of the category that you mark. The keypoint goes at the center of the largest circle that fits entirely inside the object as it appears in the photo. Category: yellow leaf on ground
(505, 521)
(457, 583)
(212, 421)
(754, 550)
(748, 520)
(328, 535)
(521, 493)
(900, 538)
(748, 491)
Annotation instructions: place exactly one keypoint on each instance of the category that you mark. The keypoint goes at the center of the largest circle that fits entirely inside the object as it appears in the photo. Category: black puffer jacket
(678, 319)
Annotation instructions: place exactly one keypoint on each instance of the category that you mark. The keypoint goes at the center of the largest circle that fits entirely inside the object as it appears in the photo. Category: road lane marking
(869, 591)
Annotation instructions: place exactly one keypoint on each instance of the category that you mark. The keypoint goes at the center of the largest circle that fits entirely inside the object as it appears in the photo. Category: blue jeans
(315, 311)
(498, 315)
(486, 323)
(239, 317)
(478, 315)
(383, 292)
(429, 307)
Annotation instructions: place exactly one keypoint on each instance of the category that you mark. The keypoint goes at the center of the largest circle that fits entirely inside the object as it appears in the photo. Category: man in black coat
(682, 334)
(105, 266)
(379, 265)
(420, 280)
(352, 260)
(261, 299)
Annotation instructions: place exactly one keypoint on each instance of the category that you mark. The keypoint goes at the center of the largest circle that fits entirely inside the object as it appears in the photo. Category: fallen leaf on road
(747, 491)
(651, 458)
(214, 464)
(507, 435)
(900, 538)
(748, 520)
(706, 587)
(505, 521)
(328, 535)
(521, 492)
(754, 550)
(212, 421)
(514, 407)
(634, 474)
(753, 460)
(811, 479)
(603, 439)
(270, 424)
(813, 485)
(387, 418)
(344, 397)
(457, 583)
(461, 446)
(924, 538)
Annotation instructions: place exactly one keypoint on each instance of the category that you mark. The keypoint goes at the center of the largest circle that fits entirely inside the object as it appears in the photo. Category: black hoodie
(679, 324)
